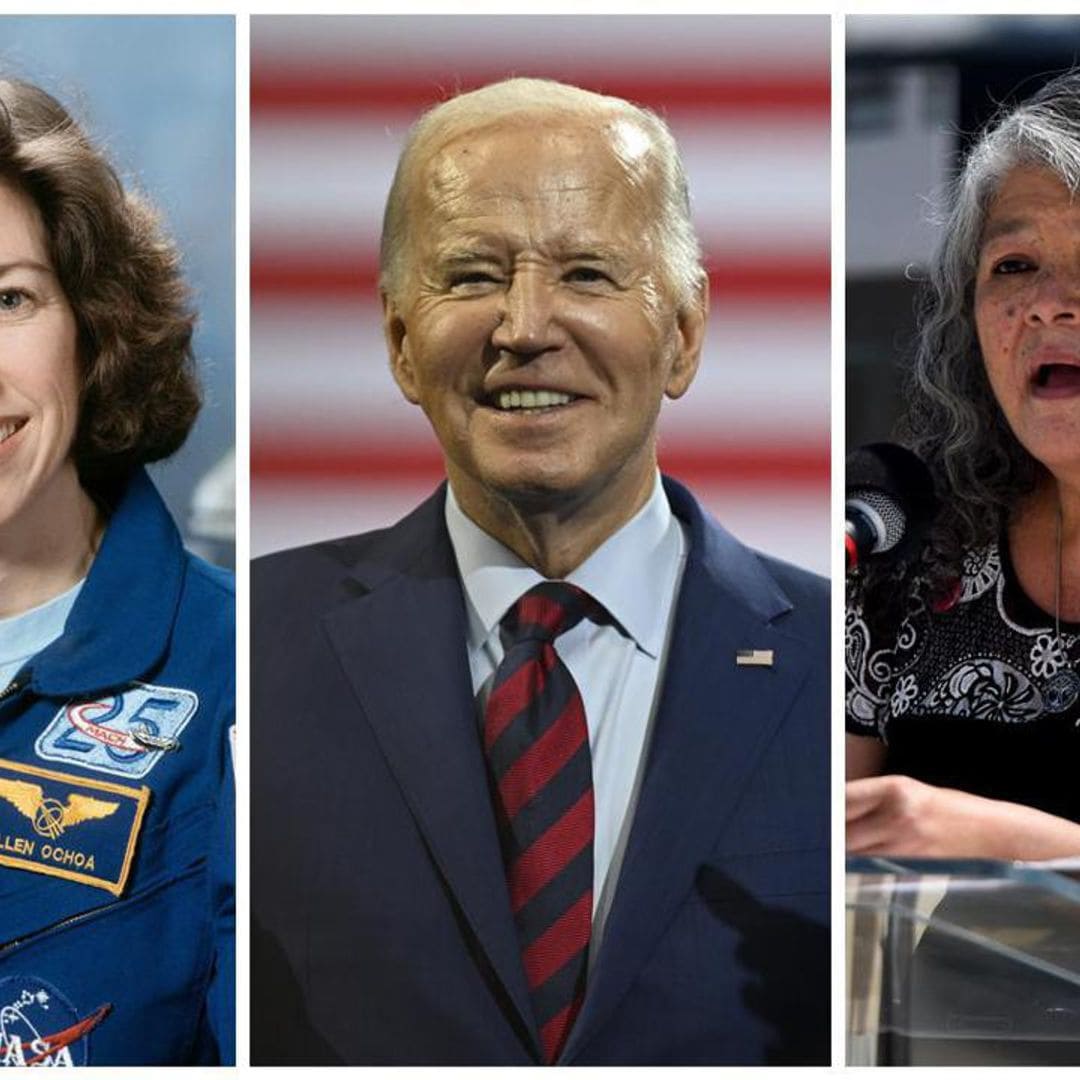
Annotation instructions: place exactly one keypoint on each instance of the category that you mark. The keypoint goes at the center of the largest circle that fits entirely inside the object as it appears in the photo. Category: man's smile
(528, 400)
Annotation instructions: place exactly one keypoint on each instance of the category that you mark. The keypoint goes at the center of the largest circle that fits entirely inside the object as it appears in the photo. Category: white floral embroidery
(904, 693)
(980, 570)
(1047, 656)
(971, 660)
(987, 689)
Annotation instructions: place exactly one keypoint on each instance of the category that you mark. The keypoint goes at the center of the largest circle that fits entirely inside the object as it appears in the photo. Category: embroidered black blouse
(973, 691)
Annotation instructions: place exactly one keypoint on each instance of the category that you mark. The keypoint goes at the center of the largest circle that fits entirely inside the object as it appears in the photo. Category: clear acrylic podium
(962, 962)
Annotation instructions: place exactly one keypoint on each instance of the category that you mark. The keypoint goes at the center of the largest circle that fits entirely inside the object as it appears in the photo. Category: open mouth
(1057, 378)
(9, 428)
(529, 400)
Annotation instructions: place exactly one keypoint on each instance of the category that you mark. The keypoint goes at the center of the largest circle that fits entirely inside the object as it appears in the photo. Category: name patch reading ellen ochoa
(58, 824)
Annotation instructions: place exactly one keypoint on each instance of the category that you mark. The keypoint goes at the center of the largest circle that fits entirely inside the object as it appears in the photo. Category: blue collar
(121, 622)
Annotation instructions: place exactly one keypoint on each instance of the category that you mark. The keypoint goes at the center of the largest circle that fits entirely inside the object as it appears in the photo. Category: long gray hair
(953, 420)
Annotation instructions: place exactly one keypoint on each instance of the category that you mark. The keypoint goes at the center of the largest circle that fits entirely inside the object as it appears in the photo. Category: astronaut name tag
(123, 734)
(67, 827)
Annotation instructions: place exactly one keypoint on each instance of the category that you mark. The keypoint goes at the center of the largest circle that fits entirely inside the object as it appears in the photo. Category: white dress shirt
(635, 574)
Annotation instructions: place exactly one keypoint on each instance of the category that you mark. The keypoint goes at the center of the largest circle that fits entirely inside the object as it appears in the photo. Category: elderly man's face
(533, 326)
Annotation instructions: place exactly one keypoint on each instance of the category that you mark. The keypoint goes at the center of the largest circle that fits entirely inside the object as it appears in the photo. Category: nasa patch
(39, 1026)
(123, 734)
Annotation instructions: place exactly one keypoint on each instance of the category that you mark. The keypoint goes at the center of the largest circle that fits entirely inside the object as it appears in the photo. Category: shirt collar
(622, 574)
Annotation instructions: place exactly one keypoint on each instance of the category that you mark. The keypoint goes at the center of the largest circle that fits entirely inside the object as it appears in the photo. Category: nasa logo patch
(123, 734)
(39, 1026)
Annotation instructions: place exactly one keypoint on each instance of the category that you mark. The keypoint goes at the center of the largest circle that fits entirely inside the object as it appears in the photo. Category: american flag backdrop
(335, 449)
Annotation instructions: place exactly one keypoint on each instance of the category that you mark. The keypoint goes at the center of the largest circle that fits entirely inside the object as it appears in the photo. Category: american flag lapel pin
(754, 657)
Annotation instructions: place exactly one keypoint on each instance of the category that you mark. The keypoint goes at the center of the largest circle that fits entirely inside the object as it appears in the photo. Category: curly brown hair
(121, 275)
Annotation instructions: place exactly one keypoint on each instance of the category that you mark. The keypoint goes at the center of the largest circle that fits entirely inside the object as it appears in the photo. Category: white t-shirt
(26, 634)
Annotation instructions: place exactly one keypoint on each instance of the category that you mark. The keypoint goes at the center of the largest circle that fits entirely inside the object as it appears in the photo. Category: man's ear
(397, 343)
(690, 329)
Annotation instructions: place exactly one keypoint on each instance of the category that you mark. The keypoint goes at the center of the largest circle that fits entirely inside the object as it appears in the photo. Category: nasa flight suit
(116, 814)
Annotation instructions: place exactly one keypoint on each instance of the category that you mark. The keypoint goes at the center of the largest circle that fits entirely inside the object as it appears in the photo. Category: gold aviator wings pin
(48, 816)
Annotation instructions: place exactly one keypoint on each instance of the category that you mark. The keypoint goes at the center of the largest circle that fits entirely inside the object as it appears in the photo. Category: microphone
(890, 501)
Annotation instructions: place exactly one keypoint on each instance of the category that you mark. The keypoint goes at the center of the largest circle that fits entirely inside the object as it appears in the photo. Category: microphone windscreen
(884, 473)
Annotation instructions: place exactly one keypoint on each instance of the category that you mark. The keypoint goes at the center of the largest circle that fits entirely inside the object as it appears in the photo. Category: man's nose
(1056, 298)
(528, 323)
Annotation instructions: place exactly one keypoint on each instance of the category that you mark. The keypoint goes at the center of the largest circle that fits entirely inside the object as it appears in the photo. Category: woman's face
(1027, 313)
(39, 387)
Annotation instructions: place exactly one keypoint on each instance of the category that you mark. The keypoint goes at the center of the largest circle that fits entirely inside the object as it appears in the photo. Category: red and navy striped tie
(537, 747)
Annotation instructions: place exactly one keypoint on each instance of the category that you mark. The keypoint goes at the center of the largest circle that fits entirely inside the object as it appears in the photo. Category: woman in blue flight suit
(116, 645)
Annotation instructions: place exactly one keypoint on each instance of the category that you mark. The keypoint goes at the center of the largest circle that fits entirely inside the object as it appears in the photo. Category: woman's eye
(12, 300)
(1012, 265)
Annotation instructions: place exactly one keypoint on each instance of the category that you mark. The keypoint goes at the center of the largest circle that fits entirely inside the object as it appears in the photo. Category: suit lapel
(402, 646)
(714, 721)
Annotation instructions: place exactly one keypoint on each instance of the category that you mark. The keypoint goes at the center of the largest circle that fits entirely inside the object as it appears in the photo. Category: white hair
(953, 419)
(676, 241)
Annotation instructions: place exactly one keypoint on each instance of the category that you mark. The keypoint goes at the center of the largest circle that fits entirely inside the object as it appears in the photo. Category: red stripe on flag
(537, 765)
(311, 461)
(329, 277)
(278, 90)
(551, 851)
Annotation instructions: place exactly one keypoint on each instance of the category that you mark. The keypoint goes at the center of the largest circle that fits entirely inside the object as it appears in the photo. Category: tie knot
(544, 612)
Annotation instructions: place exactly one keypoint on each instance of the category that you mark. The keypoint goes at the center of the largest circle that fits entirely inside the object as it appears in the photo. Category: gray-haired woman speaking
(963, 698)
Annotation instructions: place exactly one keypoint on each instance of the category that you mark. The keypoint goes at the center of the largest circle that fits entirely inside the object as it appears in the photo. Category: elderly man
(541, 772)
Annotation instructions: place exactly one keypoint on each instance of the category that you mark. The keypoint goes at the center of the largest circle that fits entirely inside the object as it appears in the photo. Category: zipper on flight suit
(21, 680)
(102, 909)
(14, 686)
(9, 946)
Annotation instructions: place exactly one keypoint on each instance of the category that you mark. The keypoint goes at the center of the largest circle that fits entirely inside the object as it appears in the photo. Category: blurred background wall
(158, 94)
(918, 89)
(334, 447)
